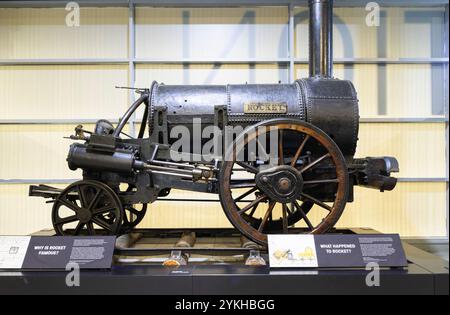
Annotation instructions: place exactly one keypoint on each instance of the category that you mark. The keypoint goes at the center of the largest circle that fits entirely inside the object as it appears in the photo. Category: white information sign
(292, 251)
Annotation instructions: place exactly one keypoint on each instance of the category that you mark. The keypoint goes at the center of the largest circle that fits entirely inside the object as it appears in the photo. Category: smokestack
(321, 38)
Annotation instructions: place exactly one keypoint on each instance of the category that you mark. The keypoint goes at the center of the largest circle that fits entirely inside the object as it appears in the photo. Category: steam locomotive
(273, 153)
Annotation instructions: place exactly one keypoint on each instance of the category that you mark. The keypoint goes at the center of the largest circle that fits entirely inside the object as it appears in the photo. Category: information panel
(56, 252)
(335, 251)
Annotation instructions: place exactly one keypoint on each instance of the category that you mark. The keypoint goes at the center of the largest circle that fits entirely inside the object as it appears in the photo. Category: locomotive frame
(315, 124)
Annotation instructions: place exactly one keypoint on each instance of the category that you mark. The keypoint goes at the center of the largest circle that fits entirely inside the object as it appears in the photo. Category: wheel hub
(282, 183)
(84, 215)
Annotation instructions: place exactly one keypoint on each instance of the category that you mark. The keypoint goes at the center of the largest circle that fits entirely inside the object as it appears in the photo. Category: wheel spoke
(103, 210)
(253, 210)
(266, 216)
(69, 204)
(125, 218)
(285, 220)
(247, 167)
(253, 203)
(324, 181)
(304, 216)
(290, 211)
(242, 183)
(77, 230)
(133, 210)
(82, 197)
(62, 221)
(94, 200)
(316, 201)
(245, 194)
(102, 223)
(133, 216)
(299, 151)
(312, 164)
(90, 228)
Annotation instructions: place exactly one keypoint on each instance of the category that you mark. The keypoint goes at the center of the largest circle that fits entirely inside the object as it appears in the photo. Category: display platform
(216, 266)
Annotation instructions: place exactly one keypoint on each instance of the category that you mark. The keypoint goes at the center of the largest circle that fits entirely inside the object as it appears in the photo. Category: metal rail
(281, 61)
(212, 3)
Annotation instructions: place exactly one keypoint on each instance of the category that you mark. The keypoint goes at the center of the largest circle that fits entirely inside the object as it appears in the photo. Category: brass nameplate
(265, 108)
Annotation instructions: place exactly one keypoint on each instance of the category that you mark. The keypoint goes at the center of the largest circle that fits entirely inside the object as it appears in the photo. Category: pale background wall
(417, 208)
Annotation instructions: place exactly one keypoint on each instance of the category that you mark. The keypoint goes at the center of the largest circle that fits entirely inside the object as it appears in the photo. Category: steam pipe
(321, 38)
(129, 112)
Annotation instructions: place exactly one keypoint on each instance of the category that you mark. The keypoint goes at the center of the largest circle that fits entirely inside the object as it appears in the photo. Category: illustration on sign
(292, 251)
(12, 251)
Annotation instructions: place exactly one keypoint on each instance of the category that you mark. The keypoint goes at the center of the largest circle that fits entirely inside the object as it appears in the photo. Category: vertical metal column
(131, 64)
(321, 38)
(132, 68)
(446, 109)
(291, 43)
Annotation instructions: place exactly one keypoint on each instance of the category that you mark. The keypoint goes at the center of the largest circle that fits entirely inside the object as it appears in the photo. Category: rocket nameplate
(265, 108)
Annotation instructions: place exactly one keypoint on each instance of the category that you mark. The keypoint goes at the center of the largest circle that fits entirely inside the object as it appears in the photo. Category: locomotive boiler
(279, 156)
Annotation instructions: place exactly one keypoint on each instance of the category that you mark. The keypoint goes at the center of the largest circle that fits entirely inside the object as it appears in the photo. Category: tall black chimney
(321, 38)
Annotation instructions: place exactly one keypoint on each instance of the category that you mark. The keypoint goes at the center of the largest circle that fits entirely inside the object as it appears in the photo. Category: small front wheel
(87, 207)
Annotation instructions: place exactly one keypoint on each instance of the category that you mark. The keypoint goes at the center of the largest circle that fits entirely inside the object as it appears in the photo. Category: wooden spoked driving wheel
(87, 207)
(265, 193)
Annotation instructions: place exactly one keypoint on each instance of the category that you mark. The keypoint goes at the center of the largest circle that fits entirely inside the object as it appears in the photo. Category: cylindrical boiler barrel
(329, 104)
